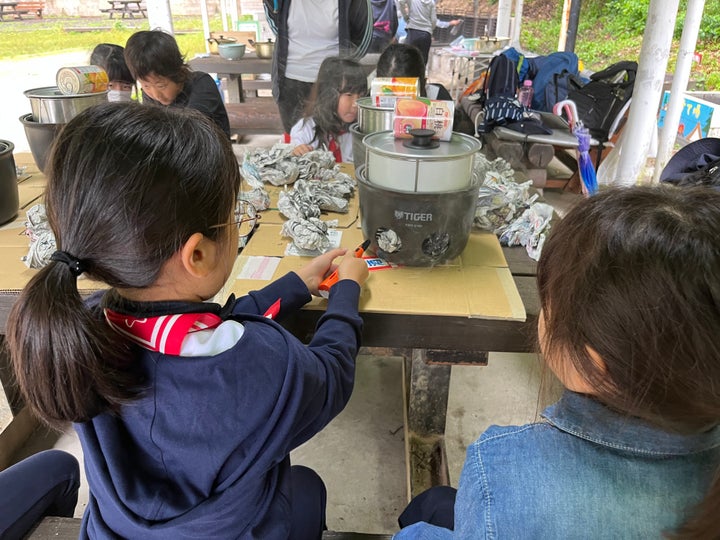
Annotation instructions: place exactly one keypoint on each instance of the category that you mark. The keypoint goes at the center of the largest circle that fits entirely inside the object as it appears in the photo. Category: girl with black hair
(186, 410)
(332, 108)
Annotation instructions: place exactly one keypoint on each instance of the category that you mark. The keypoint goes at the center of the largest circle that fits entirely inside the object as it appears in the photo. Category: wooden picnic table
(126, 8)
(233, 70)
(9, 8)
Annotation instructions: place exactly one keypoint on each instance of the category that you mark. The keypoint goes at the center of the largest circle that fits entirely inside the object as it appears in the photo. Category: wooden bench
(57, 528)
(32, 8)
(255, 116)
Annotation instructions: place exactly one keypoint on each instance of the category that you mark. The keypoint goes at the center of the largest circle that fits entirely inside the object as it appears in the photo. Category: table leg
(234, 88)
(427, 374)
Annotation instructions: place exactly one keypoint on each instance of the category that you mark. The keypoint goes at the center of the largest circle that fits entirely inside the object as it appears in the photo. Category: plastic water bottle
(525, 93)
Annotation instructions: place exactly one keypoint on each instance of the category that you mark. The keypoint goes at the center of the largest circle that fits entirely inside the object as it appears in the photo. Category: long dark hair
(111, 58)
(336, 76)
(634, 274)
(127, 186)
(154, 51)
(402, 60)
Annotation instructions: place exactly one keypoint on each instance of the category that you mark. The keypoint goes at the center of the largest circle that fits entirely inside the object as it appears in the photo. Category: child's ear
(198, 255)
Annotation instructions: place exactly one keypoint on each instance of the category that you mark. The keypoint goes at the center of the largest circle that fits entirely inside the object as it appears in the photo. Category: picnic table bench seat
(57, 528)
(32, 8)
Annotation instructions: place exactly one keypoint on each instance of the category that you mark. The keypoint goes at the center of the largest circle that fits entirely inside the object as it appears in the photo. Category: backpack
(499, 91)
(601, 99)
(559, 87)
(542, 70)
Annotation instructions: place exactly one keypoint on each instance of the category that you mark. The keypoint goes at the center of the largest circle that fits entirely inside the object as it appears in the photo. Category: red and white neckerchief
(164, 334)
(334, 147)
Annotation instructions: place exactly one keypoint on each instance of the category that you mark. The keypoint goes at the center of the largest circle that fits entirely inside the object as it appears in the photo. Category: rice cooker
(418, 196)
(9, 200)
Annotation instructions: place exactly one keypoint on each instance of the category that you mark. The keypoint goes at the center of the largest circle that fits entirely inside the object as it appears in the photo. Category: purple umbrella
(587, 170)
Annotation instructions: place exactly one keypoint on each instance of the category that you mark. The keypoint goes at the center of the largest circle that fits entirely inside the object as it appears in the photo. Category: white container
(399, 165)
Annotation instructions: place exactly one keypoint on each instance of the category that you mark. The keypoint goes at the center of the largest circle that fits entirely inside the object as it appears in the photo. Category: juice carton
(384, 91)
(423, 113)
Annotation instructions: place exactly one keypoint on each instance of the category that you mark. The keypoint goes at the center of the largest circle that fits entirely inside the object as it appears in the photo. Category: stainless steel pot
(9, 200)
(214, 42)
(50, 106)
(263, 49)
(372, 118)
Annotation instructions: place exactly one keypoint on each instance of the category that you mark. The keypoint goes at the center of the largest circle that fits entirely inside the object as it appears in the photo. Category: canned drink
(82, 80)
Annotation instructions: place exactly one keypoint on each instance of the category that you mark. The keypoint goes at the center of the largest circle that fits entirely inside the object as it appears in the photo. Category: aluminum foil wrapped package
(501, 199)
(297, 205)
(530, 229)
(258, 197)
(42, 239)
(307, 234)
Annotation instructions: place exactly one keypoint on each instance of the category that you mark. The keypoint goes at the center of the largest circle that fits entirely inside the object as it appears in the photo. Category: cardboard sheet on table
(12, 234)
(475, 291)
(29, 195)
(476, 284)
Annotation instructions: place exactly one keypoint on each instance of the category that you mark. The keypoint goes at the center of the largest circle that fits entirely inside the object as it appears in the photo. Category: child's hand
(301, 149)
(315, 271)
(353, 268)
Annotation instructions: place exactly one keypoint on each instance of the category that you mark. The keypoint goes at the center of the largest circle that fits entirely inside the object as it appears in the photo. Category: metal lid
(385, 143)
(53, 92)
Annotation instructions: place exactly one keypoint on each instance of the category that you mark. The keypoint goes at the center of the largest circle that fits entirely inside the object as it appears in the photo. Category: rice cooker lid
(384, 142)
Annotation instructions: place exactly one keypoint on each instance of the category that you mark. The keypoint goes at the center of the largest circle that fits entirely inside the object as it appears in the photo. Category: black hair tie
(75, 265)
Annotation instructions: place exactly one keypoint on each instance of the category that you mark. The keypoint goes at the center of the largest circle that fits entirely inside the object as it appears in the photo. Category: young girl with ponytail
(187, 410)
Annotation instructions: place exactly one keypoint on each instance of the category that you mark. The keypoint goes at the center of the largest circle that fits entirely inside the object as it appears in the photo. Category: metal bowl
(40, 137)
(50, 106)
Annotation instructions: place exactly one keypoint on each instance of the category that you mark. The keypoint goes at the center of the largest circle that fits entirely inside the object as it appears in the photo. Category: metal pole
(564, 25)
(517, 24)
(503, 20)
(641, 124)
(205, 23)
(683, 65)
(159, 15)
(573, 25)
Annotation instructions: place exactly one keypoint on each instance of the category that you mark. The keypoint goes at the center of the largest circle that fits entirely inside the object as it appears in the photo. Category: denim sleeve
(423, 531)
(473, 519)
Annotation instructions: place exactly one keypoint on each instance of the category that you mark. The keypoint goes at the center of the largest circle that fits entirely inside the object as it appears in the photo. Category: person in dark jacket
(186, 410)
(307, 33)
(158, 66)
(44, 484)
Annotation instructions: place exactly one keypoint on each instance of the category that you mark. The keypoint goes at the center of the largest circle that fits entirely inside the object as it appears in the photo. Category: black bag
(601, 99)
(560, 86)
(501, 78)
(499, 91)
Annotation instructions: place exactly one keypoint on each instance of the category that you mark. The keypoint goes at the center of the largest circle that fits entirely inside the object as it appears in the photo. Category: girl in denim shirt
(629, 287)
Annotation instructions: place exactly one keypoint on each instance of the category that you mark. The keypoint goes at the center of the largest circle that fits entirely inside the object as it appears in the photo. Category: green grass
(20, 39)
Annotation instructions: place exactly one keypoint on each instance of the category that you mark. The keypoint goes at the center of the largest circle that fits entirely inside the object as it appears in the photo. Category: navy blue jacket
(204, 452)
